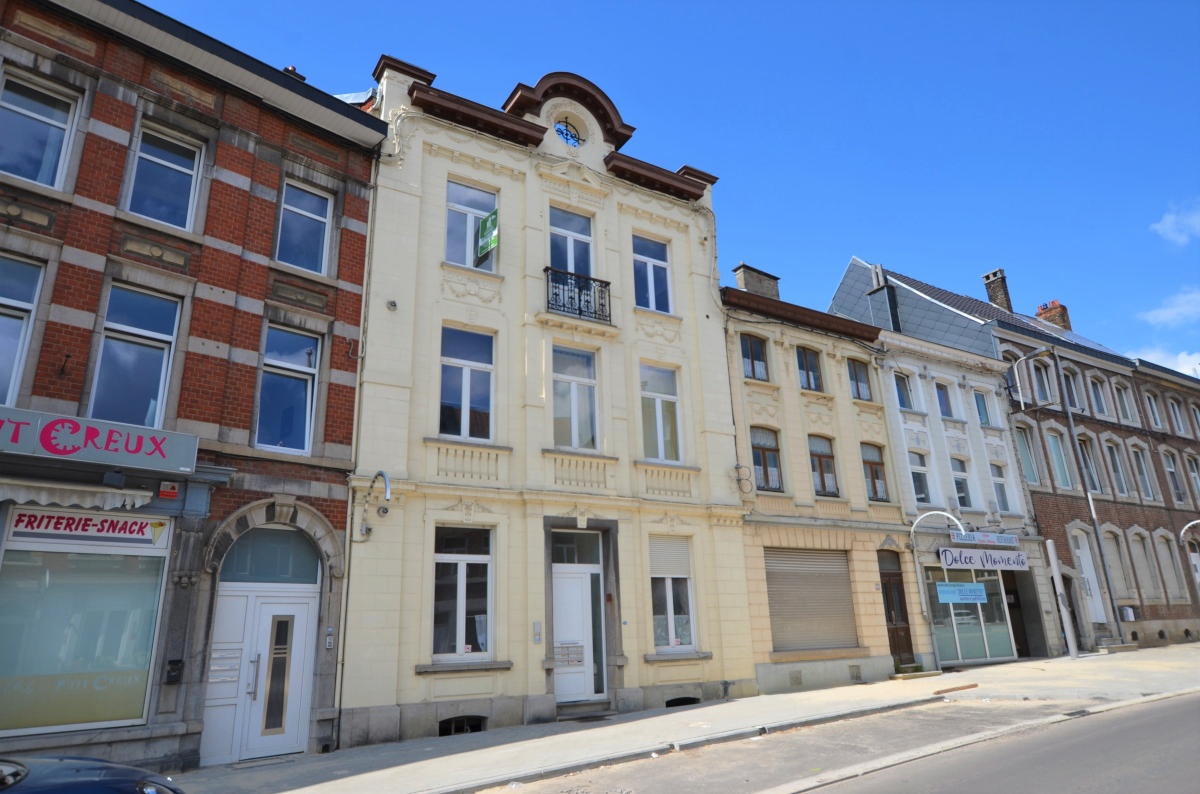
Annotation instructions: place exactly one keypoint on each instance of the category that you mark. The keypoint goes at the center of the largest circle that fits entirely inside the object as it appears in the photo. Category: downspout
(1062, 401)
(340, 678)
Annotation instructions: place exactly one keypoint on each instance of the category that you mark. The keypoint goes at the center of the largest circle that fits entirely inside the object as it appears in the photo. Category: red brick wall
(215, 390)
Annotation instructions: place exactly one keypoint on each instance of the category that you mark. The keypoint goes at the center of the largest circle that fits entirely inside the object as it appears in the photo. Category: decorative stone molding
(281, 511)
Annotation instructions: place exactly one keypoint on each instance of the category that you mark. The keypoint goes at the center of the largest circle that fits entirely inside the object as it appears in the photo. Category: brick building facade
(182, 253)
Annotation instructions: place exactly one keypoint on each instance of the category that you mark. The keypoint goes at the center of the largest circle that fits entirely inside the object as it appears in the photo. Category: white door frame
(244, 671)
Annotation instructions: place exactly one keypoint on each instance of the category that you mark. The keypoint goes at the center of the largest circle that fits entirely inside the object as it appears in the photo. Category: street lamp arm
(913, 529)
(1186, 527)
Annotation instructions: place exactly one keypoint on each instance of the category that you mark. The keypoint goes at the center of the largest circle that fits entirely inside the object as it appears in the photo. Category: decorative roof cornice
(798, 315)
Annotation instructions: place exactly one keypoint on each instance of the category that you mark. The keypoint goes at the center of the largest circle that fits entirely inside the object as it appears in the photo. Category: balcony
(578, 296)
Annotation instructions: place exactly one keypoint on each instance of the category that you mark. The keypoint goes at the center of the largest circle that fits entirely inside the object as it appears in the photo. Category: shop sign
(71, 438)
(986, 559)
(961, 593)
(126, 529)
(986, 539)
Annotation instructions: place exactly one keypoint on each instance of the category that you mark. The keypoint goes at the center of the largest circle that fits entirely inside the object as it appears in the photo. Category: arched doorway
(260, 666)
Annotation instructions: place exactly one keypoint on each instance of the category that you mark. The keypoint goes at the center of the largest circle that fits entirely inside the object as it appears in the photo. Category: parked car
(69, 774)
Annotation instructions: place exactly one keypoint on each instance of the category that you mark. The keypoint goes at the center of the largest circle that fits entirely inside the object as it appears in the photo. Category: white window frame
(982, 409)
(582, 397)
(67, 128)
(1141, 468)
(1099, 401)
(469, 369)
(572, 237)
(461, 561)
(1152, 407)
(1041, 383)
(1071, 383)
(1029, 465)
(1192, 464)
(1174, 408)
(1195, 410)
(655, 404)
(670, 563)
(944, 401)
(1116, 463)
(327, 224)
(1124, 411)
(646, 269)
(918, 466)
(123, 333)
(962, 482)
(20, 308)
(306, 373)
(904, 392)
(1058, 459)
(474, 217)
(1171, 467)
(999, 488)
(194, 174)
(1091, 475)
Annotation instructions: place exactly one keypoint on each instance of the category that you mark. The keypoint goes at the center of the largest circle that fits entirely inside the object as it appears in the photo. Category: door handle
(252, 688)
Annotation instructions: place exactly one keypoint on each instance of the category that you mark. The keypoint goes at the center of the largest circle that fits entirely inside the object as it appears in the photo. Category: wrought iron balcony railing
(579, 296)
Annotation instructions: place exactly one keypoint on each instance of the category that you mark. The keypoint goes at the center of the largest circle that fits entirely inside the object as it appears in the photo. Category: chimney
(997, 289)
(1054, 312)
(756, 282)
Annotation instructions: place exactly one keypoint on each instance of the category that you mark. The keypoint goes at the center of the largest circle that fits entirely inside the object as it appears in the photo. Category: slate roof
(955, 324)
(989, 312)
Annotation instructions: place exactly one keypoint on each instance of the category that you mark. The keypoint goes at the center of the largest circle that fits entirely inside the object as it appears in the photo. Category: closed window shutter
(809, 598)
(669, 556)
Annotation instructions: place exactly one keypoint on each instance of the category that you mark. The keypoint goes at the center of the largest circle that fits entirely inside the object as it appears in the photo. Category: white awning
(68, 495)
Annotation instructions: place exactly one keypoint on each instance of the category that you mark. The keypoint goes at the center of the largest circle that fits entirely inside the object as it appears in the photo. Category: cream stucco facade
(812, 540)
(564, 527)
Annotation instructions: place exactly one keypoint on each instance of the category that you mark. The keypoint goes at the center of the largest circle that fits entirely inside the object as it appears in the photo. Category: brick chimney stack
(756, 282)
(997, 289)
(1055, 312)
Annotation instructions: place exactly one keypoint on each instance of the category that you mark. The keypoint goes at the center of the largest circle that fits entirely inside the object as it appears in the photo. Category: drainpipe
(1062, 401)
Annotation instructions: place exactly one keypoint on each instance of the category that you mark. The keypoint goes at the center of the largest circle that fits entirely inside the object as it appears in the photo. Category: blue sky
(1059, 140)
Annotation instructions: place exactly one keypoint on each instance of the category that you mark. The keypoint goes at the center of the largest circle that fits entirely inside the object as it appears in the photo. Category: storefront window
(967, 630)
(78, 617)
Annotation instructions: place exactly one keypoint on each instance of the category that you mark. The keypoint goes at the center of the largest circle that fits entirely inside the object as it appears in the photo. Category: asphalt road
(798, 759)
(1149, 747)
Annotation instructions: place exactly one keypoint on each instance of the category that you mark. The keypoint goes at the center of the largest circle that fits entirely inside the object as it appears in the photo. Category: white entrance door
(574, 635)
(1087, 575)
(259, 686)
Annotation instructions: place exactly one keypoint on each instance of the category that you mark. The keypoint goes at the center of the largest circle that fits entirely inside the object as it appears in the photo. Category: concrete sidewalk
(473, 761)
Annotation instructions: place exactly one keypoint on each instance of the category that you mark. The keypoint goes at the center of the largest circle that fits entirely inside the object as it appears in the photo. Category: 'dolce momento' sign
(989, 559)
(76, 438)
